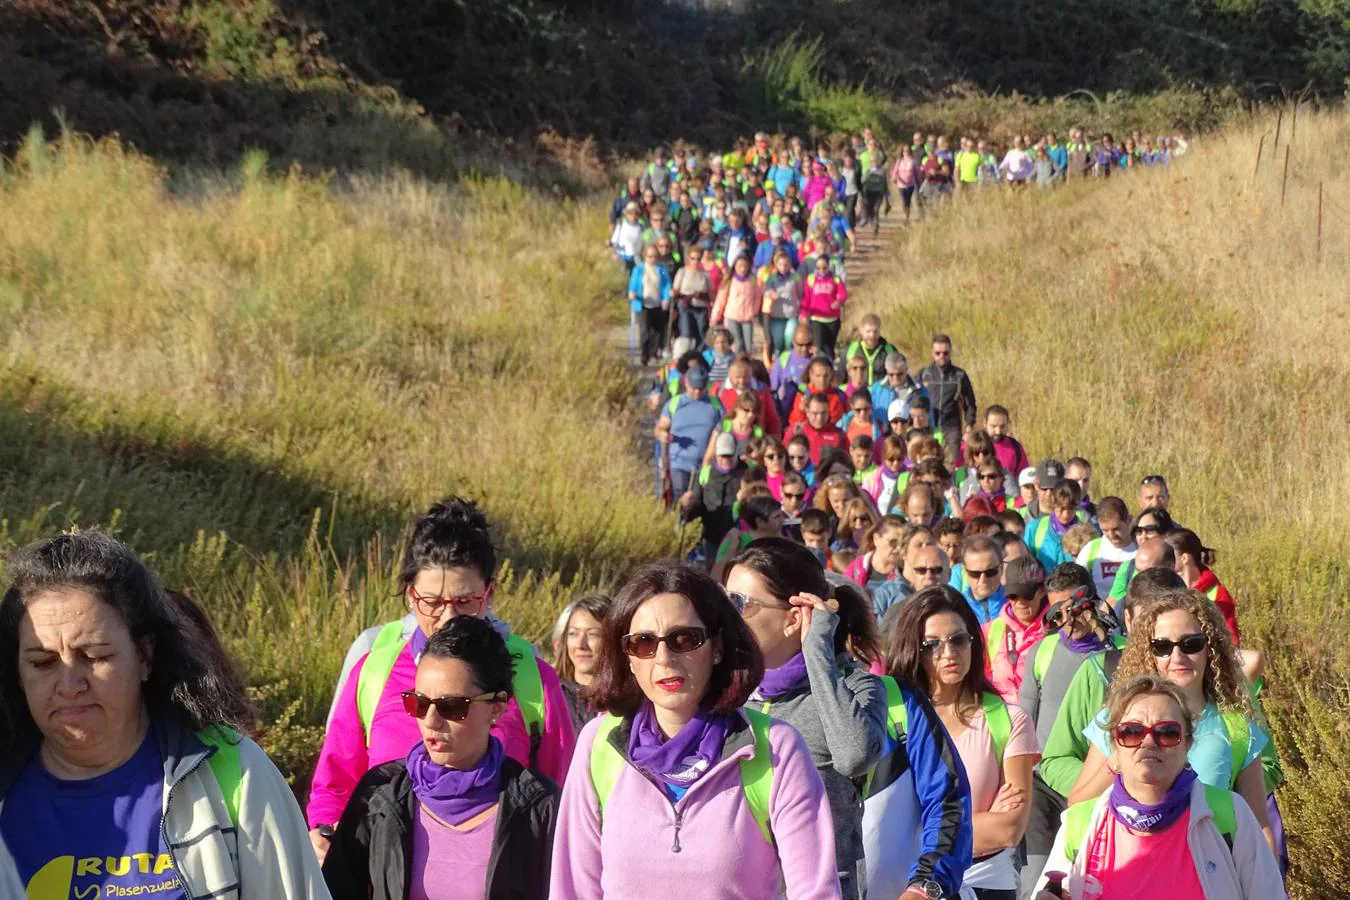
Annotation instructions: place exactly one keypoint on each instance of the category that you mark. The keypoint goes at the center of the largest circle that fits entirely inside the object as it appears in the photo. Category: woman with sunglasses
(457, 818)
(891, 476)
(812, 637)
(858, 518)
(1179, 636)
(678, 789)
(1156, 829)
(447, 572)
(936, 646)
(1149, 523)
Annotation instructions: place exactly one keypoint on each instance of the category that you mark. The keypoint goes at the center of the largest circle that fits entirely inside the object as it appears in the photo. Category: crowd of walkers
(901, 662)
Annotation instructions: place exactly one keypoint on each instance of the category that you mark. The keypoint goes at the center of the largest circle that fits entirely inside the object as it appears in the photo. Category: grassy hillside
(1181, 323)
(258, 386)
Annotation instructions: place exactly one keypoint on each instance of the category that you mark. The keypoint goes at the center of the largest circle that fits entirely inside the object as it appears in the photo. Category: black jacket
(953, 397)
(372, 847)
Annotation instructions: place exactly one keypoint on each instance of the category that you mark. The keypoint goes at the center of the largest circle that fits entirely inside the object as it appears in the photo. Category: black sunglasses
(1190, 644)
(643, 644)
(1147, 529)
(792, 495)
(452, 709)
(977, 574)
(927, 570)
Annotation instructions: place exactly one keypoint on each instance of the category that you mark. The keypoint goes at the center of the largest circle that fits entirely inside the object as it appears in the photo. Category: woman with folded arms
(1157, 829)
(457, 819)
(677, 789)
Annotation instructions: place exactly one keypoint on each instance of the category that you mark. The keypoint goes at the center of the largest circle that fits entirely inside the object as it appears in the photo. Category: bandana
(783, 680)
(456, 795)
(1151, 818)
(684, 758)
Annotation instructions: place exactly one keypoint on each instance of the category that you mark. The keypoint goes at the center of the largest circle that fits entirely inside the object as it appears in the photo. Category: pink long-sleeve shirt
(722, 854)
(824, 298)
(345, 756)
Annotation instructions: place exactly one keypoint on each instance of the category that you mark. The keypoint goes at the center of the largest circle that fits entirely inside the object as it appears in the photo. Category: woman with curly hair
(1181, 637)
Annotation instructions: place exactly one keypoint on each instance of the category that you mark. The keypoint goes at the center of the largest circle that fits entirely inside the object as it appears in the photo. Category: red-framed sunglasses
(1165, 734)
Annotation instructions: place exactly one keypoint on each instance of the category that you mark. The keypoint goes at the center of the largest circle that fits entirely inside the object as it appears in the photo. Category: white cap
(726, 444)
(1027, 478)
(898, 409)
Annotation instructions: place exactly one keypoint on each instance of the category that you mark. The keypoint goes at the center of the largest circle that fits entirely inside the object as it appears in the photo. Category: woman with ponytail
(1194, 562)
(816, 640)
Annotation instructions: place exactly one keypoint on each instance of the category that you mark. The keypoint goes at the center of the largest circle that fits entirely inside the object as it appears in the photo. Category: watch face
(933, 890)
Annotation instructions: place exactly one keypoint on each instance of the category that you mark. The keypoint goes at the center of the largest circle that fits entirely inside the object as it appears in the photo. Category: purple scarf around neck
(684, 758)
(1151, 818)
(784, 679)
(1060, 530)
(890, 473)
(456, 795)
(417, 643)
(1084, 645)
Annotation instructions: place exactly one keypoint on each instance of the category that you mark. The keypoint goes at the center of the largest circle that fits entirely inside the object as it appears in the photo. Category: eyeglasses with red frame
(465, 604)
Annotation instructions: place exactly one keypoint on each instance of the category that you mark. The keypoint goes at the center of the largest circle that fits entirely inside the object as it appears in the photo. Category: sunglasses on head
(958, 641)
(643, 644)
(452, 709)
(1153, 479)
(1190, 644)
(1165, 734)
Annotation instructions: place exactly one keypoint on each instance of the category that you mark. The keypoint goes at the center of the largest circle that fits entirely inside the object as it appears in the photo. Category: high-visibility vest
(526, 683)
(756, 772)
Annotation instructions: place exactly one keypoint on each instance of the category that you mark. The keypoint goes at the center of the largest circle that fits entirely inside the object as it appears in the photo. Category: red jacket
(829, 436)
(1208, 584)
(768, 410)
(838, 408)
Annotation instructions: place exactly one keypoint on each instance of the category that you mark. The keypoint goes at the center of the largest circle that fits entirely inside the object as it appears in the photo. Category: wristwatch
(930, 889)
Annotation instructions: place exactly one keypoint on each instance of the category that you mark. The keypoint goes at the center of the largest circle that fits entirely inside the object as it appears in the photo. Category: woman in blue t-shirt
(122, 774)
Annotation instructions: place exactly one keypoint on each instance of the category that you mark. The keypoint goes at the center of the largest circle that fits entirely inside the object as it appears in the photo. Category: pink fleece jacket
(824, 297)
(345, 757)
(722, 854)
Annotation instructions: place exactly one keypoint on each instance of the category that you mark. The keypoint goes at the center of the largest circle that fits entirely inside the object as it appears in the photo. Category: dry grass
(1180, 322)
(257, 383)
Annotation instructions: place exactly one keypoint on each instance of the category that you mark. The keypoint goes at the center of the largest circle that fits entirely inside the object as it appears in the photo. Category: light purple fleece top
(722, 854)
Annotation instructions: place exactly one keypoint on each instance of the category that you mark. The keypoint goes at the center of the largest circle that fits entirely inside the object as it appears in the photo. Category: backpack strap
(757, 773)
(1045, 652)
(1076, 821)
(1239, 739)
(225, 766)
(994, 639)
(999, 721)
(897, 717)
(528, 687)
(389, 643)
(606, 763)
(1221, 805)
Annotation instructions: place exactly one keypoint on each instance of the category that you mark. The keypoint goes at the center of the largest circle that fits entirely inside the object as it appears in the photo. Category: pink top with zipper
(740, 300)
(823, 297)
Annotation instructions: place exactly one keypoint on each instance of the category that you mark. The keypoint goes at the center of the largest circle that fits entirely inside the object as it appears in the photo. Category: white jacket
(1247, 872)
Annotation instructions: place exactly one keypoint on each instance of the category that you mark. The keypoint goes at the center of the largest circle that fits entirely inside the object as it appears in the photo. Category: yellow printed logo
(96, 877)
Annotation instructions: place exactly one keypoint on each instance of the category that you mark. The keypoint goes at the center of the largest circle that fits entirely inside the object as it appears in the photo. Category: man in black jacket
(950, 390)
(713, 494)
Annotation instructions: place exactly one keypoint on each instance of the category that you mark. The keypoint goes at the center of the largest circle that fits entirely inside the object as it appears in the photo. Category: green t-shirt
(968, 166)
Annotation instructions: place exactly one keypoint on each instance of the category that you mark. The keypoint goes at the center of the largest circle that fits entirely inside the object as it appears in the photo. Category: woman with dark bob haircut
(121, 745)
(677, 785)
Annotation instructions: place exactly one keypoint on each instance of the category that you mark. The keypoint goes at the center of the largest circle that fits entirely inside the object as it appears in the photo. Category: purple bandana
(456, 795)
(782, 680)
(1151, 818)
(417, 643)
(683, 759)
(1060, 530)
(1084, 645)
(890, 473)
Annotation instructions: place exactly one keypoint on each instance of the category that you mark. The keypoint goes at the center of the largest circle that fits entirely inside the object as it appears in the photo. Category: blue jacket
(692, 422)
(986, 610)
(1041, 540)
(765, 251)
(782, 176)
(916, 815)
(883, 395)
(635, 282)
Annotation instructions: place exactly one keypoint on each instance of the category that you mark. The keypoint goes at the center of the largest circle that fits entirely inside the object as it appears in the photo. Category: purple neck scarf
(1083, 646)
(684, 758)
(417, 643)
(1151, 818)
(456, 795)
(1059, 529)
(784, 679)
(891, 473)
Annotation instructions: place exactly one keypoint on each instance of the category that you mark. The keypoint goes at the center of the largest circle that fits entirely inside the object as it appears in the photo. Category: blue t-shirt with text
(100, 837)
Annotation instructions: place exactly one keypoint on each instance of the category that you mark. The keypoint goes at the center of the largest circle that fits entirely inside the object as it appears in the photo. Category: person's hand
(664, 437)
(1009, 799)
(320, 844)
(808, 603)
(952, 497)
(687, 499)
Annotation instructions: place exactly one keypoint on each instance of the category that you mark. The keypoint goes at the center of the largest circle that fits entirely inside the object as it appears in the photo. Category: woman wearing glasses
(812, 639)
(1157, 829)
(936, 645)
(447, 572)
(678, 789)
(457, 818)
(1180, 637)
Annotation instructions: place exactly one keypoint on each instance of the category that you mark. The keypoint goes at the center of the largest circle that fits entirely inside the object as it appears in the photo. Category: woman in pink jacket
(738, 304)
(448, 571)
(678, 789)
(823, 305)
